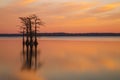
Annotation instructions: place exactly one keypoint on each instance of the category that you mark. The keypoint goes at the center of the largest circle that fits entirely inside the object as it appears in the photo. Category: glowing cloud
(76, 6)
(63, 16)
(106, 8)
(26, 2)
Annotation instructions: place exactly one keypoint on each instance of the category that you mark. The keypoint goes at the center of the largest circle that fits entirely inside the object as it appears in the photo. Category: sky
(71, 16)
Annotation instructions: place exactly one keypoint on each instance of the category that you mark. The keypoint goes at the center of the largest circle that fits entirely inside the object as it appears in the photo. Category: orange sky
(63, 15)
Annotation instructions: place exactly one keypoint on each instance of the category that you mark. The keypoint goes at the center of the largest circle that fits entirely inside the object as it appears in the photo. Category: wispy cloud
(72, 7)
(106, 8)
(112, 16)
(26, 2)
(62, 15)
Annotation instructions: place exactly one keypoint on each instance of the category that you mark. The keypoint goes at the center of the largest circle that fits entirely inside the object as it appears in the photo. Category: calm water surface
(63, 58)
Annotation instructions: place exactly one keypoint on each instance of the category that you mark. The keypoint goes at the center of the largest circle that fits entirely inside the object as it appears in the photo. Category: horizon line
(72, 33)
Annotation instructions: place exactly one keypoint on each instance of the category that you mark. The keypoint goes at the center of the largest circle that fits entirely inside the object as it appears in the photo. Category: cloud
(80, 5)
(69, 13)
(106, 8)
(112, 16)
(72, 7)
(26, 2)
(14, 3)
(49, 8)
(58, 17)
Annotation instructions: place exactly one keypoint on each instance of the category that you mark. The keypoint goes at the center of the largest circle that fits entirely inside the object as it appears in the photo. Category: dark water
(63, 58)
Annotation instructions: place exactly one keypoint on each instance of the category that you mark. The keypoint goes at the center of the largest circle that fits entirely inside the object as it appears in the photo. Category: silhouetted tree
(30, 25)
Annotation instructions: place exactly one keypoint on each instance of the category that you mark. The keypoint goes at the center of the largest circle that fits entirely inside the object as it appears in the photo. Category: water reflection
(30, 54)
(62, 59)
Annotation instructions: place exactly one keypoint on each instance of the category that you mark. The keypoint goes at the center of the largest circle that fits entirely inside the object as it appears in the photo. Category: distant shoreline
(66, 34)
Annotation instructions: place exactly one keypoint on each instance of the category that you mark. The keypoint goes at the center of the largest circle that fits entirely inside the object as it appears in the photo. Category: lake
(63, 58)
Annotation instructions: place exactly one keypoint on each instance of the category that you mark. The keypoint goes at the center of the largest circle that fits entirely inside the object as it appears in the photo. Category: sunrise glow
(72, 16)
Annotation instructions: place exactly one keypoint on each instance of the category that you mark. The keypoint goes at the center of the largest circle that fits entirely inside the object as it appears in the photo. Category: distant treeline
(64, 34)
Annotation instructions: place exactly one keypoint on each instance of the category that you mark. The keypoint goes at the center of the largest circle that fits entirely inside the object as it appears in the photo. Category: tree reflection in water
(30, 43)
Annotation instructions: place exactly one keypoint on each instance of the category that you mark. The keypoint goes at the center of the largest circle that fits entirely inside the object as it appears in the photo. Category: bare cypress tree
(25, 23)
(30, 24)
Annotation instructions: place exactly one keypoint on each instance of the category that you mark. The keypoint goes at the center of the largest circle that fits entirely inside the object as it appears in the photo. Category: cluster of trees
(30, 25)
(29, 29)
